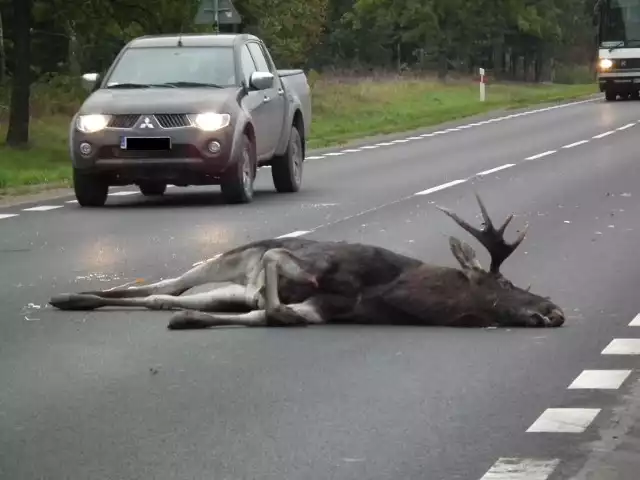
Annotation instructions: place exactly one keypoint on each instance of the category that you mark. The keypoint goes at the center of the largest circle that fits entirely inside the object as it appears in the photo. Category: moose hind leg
(295, 315)
(273, 262)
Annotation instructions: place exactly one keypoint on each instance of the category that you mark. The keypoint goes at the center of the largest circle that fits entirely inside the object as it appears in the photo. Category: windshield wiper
(623, 43)
(190, 84)
(129, 85)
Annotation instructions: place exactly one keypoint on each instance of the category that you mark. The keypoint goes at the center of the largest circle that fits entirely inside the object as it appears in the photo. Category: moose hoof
(187, 321)
(283, 316)
(75, 301)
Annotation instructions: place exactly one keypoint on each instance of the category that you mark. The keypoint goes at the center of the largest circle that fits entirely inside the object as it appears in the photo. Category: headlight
(605, 64)
(210, 122)
(92, 123)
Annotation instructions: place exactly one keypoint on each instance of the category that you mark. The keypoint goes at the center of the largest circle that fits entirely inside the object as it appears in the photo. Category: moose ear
(466, 257)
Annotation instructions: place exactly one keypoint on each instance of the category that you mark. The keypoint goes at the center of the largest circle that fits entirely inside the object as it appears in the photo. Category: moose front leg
(237, 296)
(241, 268)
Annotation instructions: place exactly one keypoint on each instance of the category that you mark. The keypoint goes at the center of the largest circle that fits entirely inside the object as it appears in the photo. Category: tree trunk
(443, 65)
(18, 131)
(73, 50)
(3, 57)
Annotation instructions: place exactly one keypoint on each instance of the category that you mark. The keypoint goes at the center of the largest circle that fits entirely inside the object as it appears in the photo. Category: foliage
(522, 40)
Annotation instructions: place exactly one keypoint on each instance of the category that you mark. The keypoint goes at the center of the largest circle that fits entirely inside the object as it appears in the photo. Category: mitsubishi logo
(146, 123)
(623, 63)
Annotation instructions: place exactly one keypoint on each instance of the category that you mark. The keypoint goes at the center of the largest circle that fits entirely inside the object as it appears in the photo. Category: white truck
(619, 48)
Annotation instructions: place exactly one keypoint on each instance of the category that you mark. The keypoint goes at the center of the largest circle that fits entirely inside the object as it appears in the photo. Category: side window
(246, 63)
(258, 56)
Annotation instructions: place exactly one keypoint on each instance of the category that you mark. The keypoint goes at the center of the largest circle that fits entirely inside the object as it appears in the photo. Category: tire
(286, 170)
(237, 183)
(609, 95)
(150, 189)
(90, 190)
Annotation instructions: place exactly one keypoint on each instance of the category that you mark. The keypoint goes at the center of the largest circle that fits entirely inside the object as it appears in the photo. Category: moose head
(488, 298)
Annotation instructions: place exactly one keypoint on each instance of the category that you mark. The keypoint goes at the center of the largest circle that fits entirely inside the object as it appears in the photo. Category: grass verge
(343, 110)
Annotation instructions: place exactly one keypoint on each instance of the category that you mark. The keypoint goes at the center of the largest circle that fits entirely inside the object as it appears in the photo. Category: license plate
(145, 143)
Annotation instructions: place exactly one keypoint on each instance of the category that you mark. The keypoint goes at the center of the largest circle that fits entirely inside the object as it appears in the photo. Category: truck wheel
(237, 183)
(609, 95)
(149, 189)
(286, 170)
(90, 190)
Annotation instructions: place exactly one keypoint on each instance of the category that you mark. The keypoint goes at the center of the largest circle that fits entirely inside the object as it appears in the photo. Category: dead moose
(299, 282)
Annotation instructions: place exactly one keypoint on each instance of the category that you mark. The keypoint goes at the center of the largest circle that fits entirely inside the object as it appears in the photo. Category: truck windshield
(188, 66)
(619, 23)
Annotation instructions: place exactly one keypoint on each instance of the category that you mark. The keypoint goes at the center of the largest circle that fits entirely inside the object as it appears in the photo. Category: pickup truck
(190, 109)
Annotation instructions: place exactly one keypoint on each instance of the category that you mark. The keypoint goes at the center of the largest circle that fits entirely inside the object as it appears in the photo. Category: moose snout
(556, 318)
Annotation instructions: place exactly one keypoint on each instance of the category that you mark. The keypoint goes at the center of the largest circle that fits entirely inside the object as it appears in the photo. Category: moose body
(299, 282)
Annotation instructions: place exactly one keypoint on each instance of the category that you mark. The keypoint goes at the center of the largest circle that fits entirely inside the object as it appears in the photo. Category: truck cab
(618, 66)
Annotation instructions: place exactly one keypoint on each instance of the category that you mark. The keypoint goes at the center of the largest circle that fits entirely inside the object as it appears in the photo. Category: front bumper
(620, 83)
(189, 162)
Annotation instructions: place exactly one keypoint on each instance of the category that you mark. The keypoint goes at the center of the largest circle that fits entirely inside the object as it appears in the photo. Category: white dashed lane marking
(440, 187)
(521, 469)
(564, 420)
(635, 322)
(497, 169)
(623, 346)
(600, 379)
(7, 215)
(540, 155)
(297, 233)
(42, 208)
(624, 127)
(602, 135)
(123, 194)
(575, 144)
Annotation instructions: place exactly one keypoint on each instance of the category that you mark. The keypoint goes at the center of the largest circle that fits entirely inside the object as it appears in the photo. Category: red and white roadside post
(482, 85)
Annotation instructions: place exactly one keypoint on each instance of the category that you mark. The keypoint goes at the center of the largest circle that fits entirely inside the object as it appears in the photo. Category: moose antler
(492, 239)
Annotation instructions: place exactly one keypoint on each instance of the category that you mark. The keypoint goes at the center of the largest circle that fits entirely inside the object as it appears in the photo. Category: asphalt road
(112, 394)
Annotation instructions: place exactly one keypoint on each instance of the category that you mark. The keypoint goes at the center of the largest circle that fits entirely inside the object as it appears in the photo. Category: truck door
(274, 99)
(254, 103)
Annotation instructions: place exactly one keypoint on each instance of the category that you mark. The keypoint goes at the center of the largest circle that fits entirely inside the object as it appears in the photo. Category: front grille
(625, 63)
(123, 121)
(173, 120)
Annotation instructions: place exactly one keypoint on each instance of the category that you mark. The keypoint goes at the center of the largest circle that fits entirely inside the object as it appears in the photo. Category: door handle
(266, 99)
(280, 92)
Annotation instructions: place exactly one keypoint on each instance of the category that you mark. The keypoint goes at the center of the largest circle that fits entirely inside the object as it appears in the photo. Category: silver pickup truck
(190, 110)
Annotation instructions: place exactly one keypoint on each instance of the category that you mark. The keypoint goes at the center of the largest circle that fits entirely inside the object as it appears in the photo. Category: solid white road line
(521, 469)
(41, 208)
(440, 187)
(297, 233)
(624, 127)
(623, 346)
(564, 420)
(600, 379)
